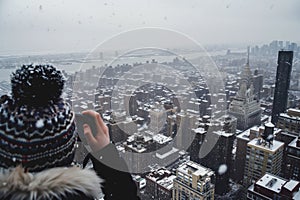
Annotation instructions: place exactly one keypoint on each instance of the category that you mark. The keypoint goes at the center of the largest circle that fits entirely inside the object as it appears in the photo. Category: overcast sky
(28, 26)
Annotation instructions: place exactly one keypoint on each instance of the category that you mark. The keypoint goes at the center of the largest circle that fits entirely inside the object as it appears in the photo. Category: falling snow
(222, 169)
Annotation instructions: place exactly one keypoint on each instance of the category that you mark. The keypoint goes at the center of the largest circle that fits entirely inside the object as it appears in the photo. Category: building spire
(248, 53)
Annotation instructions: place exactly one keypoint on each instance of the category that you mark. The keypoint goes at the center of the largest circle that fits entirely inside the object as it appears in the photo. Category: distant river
(5, 74)
(72, 67)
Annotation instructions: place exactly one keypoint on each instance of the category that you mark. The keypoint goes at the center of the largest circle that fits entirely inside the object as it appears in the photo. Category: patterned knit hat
(37, 127)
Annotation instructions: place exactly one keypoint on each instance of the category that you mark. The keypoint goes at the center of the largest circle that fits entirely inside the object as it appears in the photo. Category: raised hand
(99, 139)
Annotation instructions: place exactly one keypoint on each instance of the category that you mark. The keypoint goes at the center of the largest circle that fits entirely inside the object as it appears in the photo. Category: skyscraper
(258, 80)
(284, 68)
(221, 154)
(264, 154)
(244, 106)
(241, 151)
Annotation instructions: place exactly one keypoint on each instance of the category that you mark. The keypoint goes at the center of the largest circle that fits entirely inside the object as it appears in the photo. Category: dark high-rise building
(258, 80)
(290, 168)
(219, 159)
(284, 68)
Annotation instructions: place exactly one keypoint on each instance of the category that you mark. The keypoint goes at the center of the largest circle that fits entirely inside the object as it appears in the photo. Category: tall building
(219, 159)
(221, 153)
(292, 164)
(264, 154)
(271, 187)
(291, 156)
(290, 121)
(244, 106)
(193, 181)
(283, 74)
(241, 150)
(242, 140)
(258, 81)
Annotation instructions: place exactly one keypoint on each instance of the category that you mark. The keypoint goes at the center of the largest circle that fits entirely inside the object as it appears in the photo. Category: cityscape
(183, 137)
(185, 100)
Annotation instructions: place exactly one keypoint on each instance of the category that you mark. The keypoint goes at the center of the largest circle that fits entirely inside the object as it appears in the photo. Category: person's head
(37, 129)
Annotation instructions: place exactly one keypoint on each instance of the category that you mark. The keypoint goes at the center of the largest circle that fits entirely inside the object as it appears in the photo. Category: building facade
(241, 151)
(193, 181)
(160, 184)
(290, 121)
(291, 156)
(262, 157)
(222, 130)
(282, 84)
(292, 164)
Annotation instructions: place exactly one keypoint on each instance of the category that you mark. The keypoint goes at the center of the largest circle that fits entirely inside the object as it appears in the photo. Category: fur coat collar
(55, 182)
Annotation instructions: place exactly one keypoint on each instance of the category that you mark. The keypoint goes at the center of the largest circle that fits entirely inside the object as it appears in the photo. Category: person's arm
(118, 183)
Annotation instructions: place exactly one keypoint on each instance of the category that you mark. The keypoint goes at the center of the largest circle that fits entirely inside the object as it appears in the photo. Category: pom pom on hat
(36, 85)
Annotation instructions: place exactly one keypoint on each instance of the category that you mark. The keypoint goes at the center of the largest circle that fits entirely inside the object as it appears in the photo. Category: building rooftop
(277, 184)
(245, 134)
(223, 133)
(159, 176)
(294, 143)
(167, 182)
(200, 130)
(161, 139)
(270, 125)
(292, 113)
(256, 129)
(258, 143)
(163, 156)
(195, 169)
(271, 182)
(291, 184)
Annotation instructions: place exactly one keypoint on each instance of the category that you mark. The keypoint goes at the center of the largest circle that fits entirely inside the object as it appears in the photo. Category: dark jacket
(70, 183)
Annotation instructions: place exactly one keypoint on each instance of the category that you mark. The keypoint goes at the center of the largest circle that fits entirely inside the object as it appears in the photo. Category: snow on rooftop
(244, 135)
(163, 156)
(167, 182)
(161, 139)
(256, 142)
(270, 125)
(293, 143)
(200, 130)
(271, 182)
(223, 133)
(197, 170)
(296, 195)
(290, 185)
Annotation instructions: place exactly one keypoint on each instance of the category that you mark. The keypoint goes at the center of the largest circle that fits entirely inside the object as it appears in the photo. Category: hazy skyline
(73, 25)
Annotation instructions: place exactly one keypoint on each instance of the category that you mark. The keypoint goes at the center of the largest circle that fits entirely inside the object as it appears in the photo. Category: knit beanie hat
(37, 129)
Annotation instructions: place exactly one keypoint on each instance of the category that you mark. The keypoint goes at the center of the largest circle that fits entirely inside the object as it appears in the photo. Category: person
(38, 141)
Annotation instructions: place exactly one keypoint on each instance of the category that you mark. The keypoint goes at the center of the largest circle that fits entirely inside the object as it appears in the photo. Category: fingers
(101, 123)
(101, 138)
(89, 136)
(101, 127)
